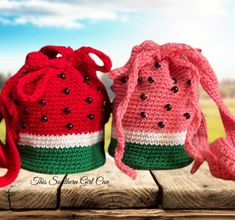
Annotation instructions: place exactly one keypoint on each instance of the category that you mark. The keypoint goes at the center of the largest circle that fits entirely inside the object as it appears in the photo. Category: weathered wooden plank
(34, 191)
(4, 202)
(118, 214)
(182, 190)
(108, 187)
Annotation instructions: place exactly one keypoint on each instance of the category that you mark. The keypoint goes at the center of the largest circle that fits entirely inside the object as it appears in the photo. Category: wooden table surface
(108, 193)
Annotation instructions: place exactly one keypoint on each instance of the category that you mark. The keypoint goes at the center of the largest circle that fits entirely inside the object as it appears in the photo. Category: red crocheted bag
(55, 109)
(157, 122)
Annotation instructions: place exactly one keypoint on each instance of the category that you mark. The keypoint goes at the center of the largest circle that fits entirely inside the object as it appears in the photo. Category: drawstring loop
(221, 153)
(179, 58)
(83, 61)
(82, 57)
(139, 57)
(38, 67)
(9, 156)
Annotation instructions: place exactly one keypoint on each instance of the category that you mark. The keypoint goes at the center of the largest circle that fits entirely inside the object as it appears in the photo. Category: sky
(116, 26)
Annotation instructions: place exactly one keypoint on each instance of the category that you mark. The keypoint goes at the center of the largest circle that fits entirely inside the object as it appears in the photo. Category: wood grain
(118, 214)
(117, 190)
(182, 190)
(4, 202)
(25, 193)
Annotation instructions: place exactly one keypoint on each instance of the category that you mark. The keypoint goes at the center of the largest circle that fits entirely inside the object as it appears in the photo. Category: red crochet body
(53, 95)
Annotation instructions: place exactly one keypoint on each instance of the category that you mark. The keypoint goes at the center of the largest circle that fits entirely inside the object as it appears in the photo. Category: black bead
(62, 76)
(91, 116)
(175, 89)
(140, 79)
(25, 112)
(124, 79)
(168, 107)
(44, 118)
(189, 82)
(157, 65)
(66, 91)
(174, 80)
(89, 100)
(23, 125)
(143, 96)
(67, 110)
(187, 115)
(42, 102)
(86, 78)
(143, 114)
(69, 126)
(150, 80)
(160, 124)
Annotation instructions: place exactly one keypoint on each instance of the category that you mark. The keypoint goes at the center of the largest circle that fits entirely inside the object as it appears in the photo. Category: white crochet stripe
(153, 138)
(61, 141)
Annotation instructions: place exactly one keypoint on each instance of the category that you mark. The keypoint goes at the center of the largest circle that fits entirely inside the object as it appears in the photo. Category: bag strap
(140, 55)
(53, 51)
(221, 153)
(9, 156)
(84, 54)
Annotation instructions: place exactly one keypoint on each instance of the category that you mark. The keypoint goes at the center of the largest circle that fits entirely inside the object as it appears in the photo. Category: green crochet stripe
(62, 161)
(151, 157)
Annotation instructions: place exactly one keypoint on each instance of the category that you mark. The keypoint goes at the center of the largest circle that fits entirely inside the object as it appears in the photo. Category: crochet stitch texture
(55, 109)
(157, 122)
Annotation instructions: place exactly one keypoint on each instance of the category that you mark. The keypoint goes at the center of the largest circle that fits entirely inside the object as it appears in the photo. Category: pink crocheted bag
(157, 122)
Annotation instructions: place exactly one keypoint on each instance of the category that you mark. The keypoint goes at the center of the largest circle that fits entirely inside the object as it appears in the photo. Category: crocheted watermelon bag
(55, 109)
(157, 122)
